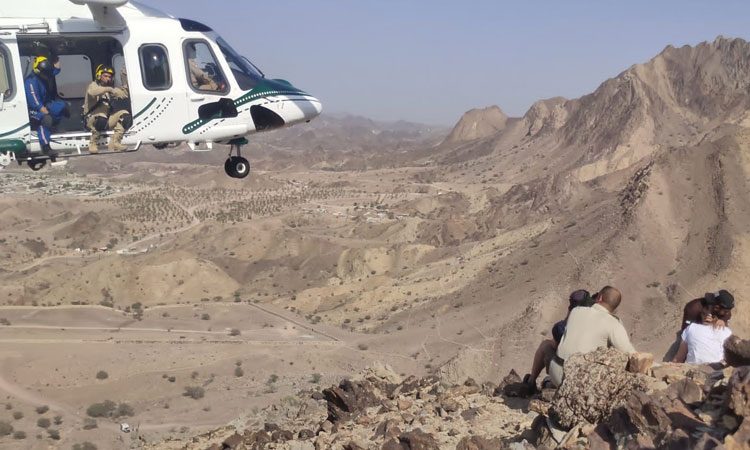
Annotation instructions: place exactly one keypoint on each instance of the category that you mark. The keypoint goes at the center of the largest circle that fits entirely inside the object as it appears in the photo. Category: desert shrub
(238, 372)
(316, 377)
(205, 316)
(194, 375)
(42, 409)
(53, 434)
(272, 379)
(124, 410)
(89, 423)
(4, 321)
(8, 406)
(362, 347)
(43, 422)
(102, 375)
(234, 332)
(172, 379)
(58, 420)
(194, 392)
(19, 435)
(103, 409)
(84, 446)
(5, 428)
(18, 415)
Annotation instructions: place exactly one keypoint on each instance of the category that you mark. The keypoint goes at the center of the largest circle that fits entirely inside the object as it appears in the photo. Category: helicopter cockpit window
(155, 67)
(6, 87)
(202, 68)
(246, 74)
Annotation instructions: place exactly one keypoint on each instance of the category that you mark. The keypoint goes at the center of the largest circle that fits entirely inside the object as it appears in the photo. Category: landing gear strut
(236, 166)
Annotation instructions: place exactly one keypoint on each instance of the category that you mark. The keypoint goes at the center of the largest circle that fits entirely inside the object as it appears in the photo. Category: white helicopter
(166, 103)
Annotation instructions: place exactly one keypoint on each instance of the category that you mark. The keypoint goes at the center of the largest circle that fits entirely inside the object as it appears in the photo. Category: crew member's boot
(115, 143)
(47, 150)
(93, 147)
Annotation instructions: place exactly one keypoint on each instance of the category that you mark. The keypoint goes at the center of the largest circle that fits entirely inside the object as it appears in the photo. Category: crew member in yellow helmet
(45, 111)
(99, 114)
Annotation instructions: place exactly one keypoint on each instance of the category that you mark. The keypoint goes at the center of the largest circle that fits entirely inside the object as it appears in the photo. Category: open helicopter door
(14, 113)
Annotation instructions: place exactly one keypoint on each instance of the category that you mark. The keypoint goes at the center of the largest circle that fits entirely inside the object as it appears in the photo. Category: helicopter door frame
(200, 101)
(14, 111)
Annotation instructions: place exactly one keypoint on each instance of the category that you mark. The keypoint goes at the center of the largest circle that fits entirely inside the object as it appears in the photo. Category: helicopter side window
(6, 85)
(155, 67)
(202, 69)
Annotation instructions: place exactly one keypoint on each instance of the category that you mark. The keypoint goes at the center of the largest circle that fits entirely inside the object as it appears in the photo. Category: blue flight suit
(37, 95)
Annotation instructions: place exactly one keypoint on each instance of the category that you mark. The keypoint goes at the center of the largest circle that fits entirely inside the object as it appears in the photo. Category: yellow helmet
(100, 69)
(42, 65)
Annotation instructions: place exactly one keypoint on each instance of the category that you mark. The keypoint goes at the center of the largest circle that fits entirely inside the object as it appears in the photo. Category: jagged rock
(350, 399)
(656, 418)
(737, 351)
(539, 407)
(738, 400)
(355, 445)
(708, 442)
(687, 391)
(470, 414)
(511, 378)
(305, 434)
(640, 362)
(740, 439)
(418, 440)
(282, 436)
(384, 372)
(233, 441)
(478, 443)
(594, 385)
(392, 444)
(404, 405)
(387, 429)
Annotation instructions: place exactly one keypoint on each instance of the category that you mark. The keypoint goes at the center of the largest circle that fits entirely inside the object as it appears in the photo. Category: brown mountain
(478, 124)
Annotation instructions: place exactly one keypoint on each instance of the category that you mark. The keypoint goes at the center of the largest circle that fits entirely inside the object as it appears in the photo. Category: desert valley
(149, 288)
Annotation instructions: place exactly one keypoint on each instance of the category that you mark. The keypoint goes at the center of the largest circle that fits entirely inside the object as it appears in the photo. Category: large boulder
(594, 385)
(350, 399)
(737, 351)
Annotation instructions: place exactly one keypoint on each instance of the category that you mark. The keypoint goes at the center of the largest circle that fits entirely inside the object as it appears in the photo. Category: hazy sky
(430, 61)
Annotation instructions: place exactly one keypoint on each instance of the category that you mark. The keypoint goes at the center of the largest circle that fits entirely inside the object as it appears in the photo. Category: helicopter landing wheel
(237, 167)
(36, 164)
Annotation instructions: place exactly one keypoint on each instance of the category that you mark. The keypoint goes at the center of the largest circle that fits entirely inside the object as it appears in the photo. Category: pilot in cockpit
(198, 77)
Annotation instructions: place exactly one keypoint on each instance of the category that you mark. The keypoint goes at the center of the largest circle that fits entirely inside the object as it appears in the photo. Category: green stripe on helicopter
(263, 89)
(144, 109)
(14, 131)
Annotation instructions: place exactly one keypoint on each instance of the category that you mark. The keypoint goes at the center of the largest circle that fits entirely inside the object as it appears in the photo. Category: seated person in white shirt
(703, 343)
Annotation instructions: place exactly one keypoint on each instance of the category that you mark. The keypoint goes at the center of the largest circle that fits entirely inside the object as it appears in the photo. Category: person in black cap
(546, 350)
(703, 336)
(721, 303)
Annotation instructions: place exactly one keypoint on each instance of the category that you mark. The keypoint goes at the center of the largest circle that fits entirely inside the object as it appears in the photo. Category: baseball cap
(721, 298)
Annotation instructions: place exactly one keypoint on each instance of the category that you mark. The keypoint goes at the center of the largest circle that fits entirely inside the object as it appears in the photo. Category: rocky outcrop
(595, 384)
(737, 351)
(601, 405)
(477, 124)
